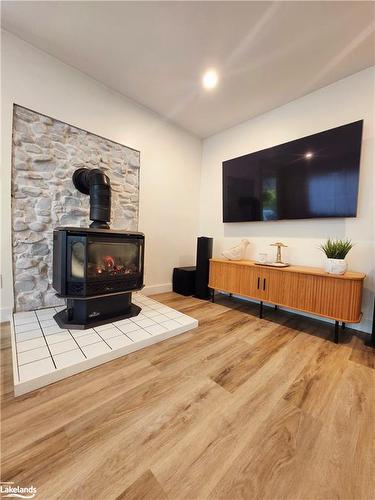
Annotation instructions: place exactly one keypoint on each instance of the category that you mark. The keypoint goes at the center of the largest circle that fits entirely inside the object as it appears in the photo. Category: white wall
(170, 157)
(171, 163)
(343, 102)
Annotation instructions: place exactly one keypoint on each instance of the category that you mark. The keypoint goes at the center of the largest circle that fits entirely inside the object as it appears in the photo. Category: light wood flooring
(240, 408)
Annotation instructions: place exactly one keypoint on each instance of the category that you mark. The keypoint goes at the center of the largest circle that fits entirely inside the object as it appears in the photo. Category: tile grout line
(73, 350)
(36, 329)
(63, 352)
(141, 328)
(161, 324)
(70, 333)
(75, 340)
(84, 335)
(49, 350)
(35, 361)
(122, 333)
(33, 348)
(58, 354)
(150, 308)
(157, 322)
(102, 339)
(50, 335)
(38, 347)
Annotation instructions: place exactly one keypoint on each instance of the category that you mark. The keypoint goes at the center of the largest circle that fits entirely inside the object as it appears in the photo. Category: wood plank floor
(240, 408)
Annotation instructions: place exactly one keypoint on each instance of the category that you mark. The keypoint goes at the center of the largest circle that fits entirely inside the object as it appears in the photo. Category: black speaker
(371, 341)
(204, 254)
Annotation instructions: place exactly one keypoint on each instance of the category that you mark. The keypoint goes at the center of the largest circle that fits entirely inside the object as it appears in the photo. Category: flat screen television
(313, 177)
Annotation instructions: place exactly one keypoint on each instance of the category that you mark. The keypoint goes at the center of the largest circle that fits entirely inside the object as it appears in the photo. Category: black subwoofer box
(184, 280)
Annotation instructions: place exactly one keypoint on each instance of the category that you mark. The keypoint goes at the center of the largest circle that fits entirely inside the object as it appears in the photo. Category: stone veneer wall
(45, 154)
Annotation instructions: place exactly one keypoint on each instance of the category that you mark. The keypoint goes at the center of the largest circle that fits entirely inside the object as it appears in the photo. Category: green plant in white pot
(336, 251)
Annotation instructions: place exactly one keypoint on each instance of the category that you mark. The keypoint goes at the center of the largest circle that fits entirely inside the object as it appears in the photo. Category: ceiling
(266, 53)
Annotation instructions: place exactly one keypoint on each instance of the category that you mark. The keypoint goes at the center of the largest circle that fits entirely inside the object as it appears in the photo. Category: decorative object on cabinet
(336, 251)
(238, 252)
(279, 245)
(262, 258)
(278, 262)
(305, 289)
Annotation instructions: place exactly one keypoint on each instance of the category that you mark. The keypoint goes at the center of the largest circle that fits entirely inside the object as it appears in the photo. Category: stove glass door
(112, 259)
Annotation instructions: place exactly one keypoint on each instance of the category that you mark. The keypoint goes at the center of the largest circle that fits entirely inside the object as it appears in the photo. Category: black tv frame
(226, 219)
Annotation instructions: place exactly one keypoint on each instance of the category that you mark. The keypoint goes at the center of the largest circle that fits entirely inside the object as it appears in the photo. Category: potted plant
(336, 251)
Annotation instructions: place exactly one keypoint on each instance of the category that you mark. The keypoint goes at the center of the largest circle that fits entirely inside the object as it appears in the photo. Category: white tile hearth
(69, 358)
(44, 353)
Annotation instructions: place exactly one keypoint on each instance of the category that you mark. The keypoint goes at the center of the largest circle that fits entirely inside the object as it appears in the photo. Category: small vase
(336, 266)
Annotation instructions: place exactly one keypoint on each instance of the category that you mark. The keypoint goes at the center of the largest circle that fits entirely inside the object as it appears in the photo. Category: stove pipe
(96, 184)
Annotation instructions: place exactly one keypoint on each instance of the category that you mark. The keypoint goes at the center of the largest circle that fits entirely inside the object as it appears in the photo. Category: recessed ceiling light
(210, 79)
(309, 155)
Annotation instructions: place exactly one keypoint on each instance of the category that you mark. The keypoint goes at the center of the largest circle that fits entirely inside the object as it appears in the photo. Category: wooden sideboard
(307, 289)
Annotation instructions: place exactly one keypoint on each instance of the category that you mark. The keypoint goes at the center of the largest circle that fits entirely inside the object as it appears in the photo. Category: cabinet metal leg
(343, 325)
(261, 309)
(230, 295)
(276, 308)
(336, 337)
(212, 295)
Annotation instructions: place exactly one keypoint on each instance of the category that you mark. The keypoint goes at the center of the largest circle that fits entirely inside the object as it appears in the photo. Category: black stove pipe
(96, 184)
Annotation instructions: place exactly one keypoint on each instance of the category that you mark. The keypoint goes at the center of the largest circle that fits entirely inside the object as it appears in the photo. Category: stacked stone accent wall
(45, 154)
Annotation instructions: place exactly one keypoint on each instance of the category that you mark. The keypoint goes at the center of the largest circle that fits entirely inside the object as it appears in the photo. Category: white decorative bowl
(336, 266)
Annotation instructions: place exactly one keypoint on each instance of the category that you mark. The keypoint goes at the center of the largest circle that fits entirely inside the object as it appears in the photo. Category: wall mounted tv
(313, 177)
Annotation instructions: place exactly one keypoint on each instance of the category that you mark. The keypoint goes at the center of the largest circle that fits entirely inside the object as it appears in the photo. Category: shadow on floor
(312, 326)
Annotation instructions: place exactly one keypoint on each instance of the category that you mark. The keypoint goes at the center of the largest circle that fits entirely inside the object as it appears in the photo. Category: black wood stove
(96, 269)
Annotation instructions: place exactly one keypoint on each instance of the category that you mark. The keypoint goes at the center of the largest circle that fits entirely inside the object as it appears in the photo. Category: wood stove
(96, 269)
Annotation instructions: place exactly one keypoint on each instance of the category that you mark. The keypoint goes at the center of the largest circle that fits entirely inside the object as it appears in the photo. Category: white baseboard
(153, 289)
(364, 326)
(5, 314)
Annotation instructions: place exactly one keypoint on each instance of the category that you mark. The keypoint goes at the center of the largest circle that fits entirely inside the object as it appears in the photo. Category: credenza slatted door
(319, 293)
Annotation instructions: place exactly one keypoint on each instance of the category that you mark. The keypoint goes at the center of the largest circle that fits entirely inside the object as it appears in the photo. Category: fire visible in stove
(110, 266)
(112, 260)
